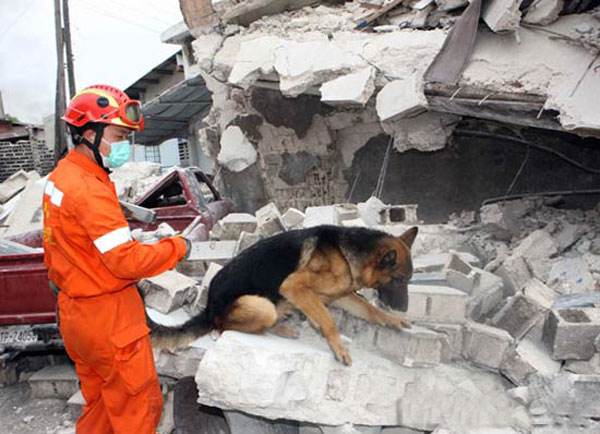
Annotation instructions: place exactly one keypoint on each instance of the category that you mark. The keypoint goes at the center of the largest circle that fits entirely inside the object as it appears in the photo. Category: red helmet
(104, 104)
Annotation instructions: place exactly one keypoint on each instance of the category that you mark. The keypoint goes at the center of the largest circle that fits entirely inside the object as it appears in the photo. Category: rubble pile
(506, 328)
(132, 180)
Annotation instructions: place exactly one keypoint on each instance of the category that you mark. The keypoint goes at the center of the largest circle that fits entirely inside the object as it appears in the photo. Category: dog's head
(390, 269)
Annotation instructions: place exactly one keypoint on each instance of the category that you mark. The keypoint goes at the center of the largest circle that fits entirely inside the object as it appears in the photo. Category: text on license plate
(17, 335)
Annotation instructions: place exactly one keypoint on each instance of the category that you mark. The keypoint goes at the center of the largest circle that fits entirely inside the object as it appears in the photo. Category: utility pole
(60, 139)
(67, 36)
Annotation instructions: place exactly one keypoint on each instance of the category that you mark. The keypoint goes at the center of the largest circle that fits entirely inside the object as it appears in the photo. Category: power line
(11, 25)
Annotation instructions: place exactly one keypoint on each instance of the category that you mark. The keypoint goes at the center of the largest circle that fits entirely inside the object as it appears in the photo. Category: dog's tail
(182, 335)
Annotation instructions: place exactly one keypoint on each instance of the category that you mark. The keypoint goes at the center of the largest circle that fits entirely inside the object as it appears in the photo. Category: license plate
(17, 334)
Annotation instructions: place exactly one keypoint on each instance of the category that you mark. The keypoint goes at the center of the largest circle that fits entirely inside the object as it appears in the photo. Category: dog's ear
(409, 236)
(388, 260)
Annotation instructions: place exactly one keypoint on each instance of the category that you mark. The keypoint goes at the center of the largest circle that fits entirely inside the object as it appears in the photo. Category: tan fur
(251, 314)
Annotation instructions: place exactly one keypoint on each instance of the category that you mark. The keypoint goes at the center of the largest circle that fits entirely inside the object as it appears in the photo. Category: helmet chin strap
(95, 147)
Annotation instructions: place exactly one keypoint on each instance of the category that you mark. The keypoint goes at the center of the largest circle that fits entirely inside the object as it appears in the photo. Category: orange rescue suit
(92, 258)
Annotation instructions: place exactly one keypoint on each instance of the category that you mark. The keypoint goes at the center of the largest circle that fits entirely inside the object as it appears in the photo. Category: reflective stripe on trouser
(113, 358)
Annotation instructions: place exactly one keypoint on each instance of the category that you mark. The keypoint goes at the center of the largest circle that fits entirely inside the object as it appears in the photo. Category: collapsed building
(482, 115)
(305, 105)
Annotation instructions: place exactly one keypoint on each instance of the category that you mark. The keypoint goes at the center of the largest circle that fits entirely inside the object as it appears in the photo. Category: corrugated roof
(169, 114)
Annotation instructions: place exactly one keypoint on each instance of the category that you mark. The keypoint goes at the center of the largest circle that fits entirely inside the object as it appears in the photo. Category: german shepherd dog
(305, 269)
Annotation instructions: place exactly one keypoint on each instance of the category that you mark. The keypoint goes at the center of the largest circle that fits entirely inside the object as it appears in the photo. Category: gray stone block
(514, 273)
(571, 333)
(246, 240)
(168, 291)
(485, 346)
(59, 382)
(205, 252)
(500, 221)
(436, 261)
(232, 225)
(433, 303)
(526, 358)
(518, 315)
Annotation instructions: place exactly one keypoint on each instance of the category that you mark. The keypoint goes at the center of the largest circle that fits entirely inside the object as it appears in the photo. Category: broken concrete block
(167, 291)
(237, 153)
(426, 410)
(269, 220)
(540, 293)
(485, 346)
(537, 245)
(406, 214)
(76, 403)
(520, 394)
(566, 394)
(518, 315)
(242, 423)
(345, 212)
(460, 274)
(204, 252)
(414, 347)
(351, 89)
(487, 293)
(571, 275)
(526, 358)
(293, 218)
(500, 222)
(232, 225)
(436, 261)
(570, 333)
(514, 273)
(454, 336)
(320, 215)
(440, 304)
(400, 99)
(501, 15)
(543, 12)
(572, 301)
(280, 378)
(15, 183)
(57, 382)
(246, 240)
(584, 367)
(27, 214)
(567, 236)
(182, 362)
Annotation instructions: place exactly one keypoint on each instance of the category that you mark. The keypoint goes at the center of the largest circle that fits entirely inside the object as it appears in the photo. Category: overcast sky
(114, 42)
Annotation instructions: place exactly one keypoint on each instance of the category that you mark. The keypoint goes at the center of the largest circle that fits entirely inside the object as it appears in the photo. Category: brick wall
(25, 155)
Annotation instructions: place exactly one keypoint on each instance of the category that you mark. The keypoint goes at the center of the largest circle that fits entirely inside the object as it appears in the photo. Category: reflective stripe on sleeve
(113, 239)
(57, 196)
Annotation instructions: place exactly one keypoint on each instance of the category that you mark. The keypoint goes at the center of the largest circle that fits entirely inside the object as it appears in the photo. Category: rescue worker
(95, 263)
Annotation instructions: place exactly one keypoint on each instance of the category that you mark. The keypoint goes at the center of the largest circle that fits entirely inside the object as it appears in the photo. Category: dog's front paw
(399, 322)
(342, 354)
